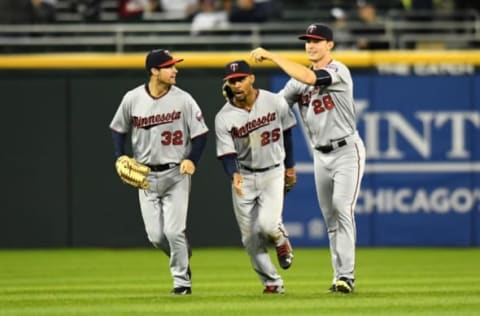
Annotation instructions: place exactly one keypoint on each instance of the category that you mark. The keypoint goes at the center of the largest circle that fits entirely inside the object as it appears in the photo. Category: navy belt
(260, 169)
(328, 148)
(159, 168)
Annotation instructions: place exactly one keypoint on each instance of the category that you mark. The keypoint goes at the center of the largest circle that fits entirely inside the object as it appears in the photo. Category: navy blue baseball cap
(236, 69)
(318, 32)
(159, 58)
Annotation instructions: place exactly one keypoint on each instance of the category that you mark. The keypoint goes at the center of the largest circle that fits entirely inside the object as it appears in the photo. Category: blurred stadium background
(64, 66)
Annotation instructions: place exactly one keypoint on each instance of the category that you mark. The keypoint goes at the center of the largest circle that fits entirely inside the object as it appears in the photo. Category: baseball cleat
(345, 285)
(274, 289)
(182, 290)
(285, 254)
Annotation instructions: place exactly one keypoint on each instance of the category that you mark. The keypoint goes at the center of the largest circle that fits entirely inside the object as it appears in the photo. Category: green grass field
(137, 282)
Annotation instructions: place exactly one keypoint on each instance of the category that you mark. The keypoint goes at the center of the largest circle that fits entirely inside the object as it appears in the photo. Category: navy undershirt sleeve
(198, 145)
(289, 162)
(230, 164)
(323, 78)
(119, 140)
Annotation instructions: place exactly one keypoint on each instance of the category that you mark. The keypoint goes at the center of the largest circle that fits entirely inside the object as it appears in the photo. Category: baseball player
(324, 94)
(253, 140)
(168, 134)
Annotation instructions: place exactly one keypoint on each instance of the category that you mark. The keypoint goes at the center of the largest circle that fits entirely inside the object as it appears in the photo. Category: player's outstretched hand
(187, 167)
(237, 184)
(260, 54)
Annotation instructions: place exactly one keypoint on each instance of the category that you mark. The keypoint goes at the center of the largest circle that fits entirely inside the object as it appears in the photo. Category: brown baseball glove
(132, 172)
(290, 179)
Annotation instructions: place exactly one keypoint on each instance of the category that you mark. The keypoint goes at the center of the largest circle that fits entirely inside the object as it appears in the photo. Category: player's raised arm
(318, 45)
(293, 69)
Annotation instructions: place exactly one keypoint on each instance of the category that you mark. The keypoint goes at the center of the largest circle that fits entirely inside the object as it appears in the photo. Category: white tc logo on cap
(234, 67)
(311, 29)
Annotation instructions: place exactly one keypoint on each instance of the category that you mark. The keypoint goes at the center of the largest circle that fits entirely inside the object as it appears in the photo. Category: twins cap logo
(311, 29)
(234, 67)
(167, 52)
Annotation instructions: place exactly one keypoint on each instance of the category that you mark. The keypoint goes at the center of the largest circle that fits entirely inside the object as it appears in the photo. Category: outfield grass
(137, 282)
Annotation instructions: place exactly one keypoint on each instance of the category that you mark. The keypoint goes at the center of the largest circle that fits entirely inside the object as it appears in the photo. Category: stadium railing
(397, 32)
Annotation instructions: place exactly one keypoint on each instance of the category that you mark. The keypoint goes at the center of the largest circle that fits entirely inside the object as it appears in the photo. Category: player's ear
(331, 45)
(154, 71)
(252, 78)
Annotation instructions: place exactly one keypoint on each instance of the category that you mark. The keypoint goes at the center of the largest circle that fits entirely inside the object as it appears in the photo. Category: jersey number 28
(320, 106)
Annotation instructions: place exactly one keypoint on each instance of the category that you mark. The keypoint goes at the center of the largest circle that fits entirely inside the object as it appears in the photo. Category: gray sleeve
(290, 92)
(224, 141)
(196, 120)
(287, 116)
(338, 72)
(122, 119)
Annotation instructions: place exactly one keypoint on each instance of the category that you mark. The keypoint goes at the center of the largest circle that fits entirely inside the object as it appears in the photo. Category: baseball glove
(290, 179)
(227, 92)
(132, 172)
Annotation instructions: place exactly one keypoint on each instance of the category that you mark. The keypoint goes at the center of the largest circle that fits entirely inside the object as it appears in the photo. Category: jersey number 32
(173, 138)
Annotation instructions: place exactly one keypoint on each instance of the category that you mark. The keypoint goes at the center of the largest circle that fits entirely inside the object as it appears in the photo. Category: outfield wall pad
(420, 122)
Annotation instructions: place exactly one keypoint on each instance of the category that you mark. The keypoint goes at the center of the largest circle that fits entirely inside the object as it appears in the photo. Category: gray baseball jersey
(255, 136)
(315, 100)
(161, 128)
(330, 120)
(161, 132)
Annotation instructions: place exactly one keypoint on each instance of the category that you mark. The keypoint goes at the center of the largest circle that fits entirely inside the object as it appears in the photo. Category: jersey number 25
(270, 136)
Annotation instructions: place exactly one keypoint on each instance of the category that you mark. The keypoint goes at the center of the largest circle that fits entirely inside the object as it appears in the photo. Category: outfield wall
(419, 114)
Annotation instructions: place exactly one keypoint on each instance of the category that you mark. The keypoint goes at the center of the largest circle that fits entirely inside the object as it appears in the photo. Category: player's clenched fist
(187, 166)
(237, 183)
(260, 54)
